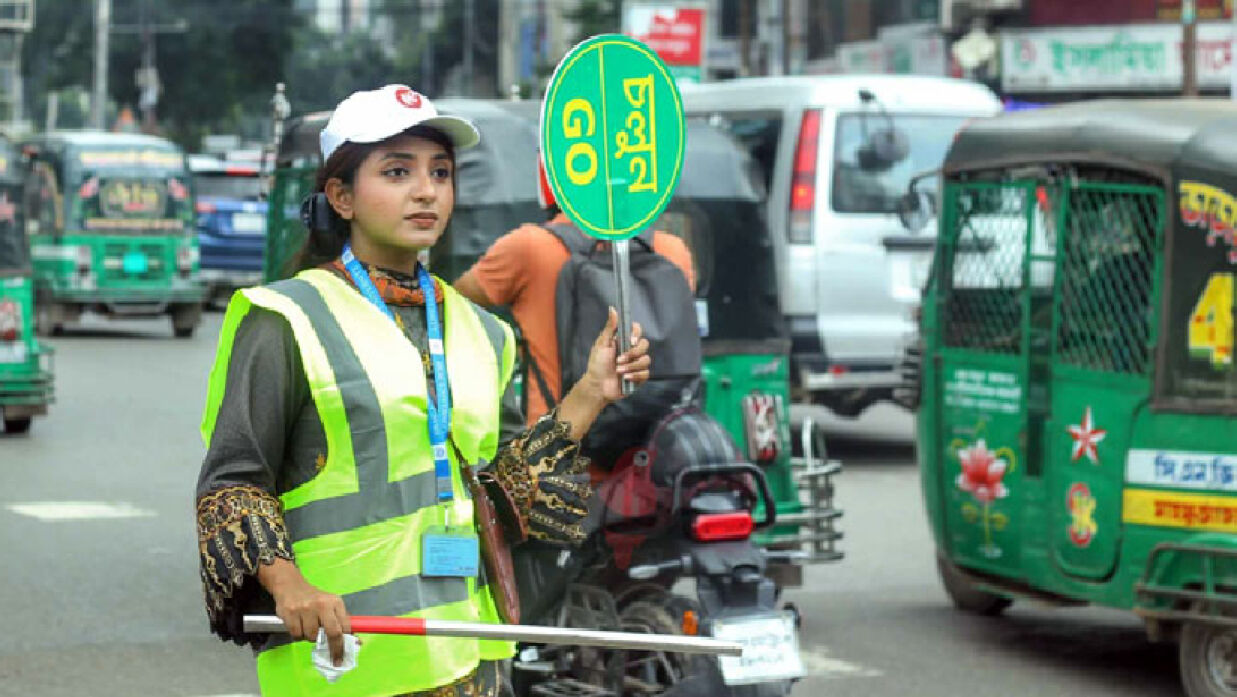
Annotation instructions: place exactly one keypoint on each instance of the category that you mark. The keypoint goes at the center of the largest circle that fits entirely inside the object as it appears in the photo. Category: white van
(837, 153)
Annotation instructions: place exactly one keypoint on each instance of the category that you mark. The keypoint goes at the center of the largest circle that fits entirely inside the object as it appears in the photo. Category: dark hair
(323, 247)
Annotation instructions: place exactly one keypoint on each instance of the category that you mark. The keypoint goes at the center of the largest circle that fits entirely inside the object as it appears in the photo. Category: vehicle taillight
(722, 527)
(760, 423)
(184, 259)
(89, 188)
(803, 181)
(84, 259)
(10, 321)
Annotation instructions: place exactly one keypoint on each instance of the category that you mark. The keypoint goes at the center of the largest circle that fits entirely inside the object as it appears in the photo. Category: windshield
(220, 185)
(856, 190)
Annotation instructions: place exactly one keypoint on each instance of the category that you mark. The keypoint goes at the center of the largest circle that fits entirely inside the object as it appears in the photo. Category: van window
(877, 190)
(758, 133)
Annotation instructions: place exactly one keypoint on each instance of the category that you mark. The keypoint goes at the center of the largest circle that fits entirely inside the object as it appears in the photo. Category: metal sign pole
(621, 250)
(413, 626)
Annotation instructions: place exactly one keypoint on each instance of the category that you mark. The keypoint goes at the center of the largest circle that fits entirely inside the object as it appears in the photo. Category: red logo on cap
(408, 98)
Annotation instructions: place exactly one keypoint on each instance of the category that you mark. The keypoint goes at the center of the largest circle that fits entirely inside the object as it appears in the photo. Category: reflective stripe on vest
(356, 526)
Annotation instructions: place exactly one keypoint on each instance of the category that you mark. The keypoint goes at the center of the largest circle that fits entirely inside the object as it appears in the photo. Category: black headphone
(316, 213)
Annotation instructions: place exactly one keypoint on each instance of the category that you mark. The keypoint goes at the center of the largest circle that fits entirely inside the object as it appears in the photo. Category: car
(835, 154)
(231, 224)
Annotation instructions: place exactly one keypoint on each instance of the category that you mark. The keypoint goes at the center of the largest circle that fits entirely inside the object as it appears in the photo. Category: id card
(450, 552)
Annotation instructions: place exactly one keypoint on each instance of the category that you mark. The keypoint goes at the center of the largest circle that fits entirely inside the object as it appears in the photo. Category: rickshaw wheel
(1208, 658)
(965, 595)
(17, 425)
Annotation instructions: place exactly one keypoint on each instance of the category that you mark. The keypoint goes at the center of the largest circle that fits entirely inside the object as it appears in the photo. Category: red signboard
(676, 35)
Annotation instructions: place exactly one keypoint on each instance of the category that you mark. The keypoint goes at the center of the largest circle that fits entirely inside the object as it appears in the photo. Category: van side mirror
(915, 209)
(883, 149)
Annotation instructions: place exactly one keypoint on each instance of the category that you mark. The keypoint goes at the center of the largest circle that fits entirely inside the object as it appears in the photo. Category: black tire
(1207, 654)
(965, 595)
(20, 424)
(183, 332)
(185, 318)
(655, 667)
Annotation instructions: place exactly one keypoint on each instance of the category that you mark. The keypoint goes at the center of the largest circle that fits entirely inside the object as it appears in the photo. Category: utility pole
(1189, 50)
(147, 76)
(98, 98)
(745, 37)
(469, 18)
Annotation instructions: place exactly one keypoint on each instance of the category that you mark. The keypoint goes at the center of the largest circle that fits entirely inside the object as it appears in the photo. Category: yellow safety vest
(356, 527)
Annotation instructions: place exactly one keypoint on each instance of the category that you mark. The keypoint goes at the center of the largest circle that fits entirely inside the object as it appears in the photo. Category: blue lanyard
(439, 406)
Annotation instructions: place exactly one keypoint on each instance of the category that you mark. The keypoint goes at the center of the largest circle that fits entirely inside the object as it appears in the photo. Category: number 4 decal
(1211, 323)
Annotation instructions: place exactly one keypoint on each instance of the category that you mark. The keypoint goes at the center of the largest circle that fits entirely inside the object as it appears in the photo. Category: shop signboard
(674, 30)
(1125, 58)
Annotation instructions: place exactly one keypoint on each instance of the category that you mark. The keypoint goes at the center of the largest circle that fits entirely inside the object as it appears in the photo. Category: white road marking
(50, 511)
(820, 664)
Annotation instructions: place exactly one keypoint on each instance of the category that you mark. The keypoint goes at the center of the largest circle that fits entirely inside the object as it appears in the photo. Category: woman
(341, 405)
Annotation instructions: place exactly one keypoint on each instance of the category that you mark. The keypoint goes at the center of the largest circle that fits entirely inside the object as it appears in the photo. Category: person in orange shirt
(521, 270)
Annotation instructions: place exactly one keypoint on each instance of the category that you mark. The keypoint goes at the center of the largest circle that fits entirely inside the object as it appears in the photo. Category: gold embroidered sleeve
(239, 528)
(547, 481)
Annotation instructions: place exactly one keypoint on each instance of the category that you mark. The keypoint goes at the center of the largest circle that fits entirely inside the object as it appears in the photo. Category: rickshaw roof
(1150, 135)
(95, 139)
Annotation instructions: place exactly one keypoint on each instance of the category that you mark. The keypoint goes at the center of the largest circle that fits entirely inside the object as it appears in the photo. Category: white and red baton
(412, 626)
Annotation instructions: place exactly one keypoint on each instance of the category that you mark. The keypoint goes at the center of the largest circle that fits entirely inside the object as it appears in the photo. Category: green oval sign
(612, 135)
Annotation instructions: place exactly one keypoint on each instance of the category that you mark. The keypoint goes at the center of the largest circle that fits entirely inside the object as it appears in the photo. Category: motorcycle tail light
(722, 527)
(760, 422)
(184, 259)
(10, 321)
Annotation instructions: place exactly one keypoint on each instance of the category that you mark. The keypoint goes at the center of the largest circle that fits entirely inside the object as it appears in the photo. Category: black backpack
(663, 304)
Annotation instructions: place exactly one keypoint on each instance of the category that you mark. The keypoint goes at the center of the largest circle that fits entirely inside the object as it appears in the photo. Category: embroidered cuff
(546, 480)
(239, 527)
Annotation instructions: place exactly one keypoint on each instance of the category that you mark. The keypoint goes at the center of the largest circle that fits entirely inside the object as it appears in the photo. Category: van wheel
(20, 424)
(1207, 656)
(965, 595)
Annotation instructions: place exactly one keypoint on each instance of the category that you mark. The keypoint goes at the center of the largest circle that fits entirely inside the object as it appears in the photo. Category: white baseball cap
(375, 115)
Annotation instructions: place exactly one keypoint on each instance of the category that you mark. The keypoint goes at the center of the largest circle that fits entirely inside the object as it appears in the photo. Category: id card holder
(450, 552)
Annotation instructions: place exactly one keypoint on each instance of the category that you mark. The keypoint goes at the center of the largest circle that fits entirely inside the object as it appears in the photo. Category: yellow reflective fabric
(383, 665)
(370, 556)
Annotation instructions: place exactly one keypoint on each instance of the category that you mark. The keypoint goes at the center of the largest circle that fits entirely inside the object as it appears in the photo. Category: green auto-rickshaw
(1079, 396)
(25, 364)
(111, 224)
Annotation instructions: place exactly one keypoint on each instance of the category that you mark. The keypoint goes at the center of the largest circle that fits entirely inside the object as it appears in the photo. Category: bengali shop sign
(1135, 57)
(675, 32)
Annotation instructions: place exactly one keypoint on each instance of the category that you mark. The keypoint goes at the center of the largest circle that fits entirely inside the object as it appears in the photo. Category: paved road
(99, 592)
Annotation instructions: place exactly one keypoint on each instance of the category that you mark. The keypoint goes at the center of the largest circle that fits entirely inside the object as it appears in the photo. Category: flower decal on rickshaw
(982, 472)
(1081, 505)
(982, 476)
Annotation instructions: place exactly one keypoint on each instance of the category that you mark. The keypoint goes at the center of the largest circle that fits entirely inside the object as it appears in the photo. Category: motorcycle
(683, 507)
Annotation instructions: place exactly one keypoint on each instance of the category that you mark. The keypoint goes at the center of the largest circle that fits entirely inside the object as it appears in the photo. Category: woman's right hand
(304, 608)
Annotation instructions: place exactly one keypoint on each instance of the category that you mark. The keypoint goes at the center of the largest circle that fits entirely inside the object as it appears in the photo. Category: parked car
(836, 154)
(231, 224)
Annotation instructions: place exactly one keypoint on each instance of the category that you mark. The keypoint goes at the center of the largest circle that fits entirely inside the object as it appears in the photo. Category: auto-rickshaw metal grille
(986, 227)
(1107, 265)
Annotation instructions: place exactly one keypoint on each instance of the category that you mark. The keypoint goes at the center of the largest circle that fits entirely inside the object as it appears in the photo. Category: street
(99, 589)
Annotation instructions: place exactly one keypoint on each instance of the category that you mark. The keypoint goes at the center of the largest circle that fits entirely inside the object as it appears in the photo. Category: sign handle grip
(621, 249)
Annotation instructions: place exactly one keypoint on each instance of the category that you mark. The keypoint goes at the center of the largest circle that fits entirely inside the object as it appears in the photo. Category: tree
(595, 17)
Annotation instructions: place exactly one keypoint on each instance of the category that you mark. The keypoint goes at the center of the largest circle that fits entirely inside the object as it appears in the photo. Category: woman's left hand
(607, 372)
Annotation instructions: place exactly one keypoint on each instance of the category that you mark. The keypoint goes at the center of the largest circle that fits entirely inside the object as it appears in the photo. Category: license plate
(770, 648)
(248, 223)
(13, 352)
(135, 262)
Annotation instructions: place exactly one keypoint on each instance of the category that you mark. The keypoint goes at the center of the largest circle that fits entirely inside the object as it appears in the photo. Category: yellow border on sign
(1175, 509)
(678, 167)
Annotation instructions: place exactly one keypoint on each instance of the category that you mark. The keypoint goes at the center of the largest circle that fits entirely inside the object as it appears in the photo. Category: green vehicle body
(111, 225)
(1079, 399)
(25, 363)
(742, 358)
